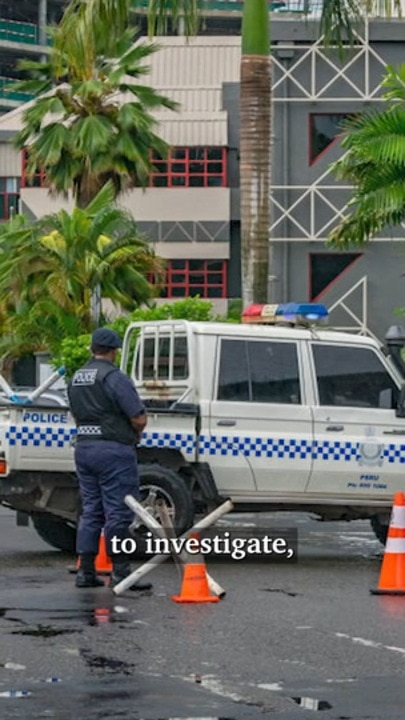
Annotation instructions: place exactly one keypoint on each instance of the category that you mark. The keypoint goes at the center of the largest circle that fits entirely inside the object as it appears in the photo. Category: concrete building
(190, 211)
(23, 35)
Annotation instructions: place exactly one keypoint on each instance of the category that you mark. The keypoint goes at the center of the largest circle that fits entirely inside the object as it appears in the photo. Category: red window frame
(182, 282)
(179, 168)
(5, 195)
(165, 169)
(37, 180)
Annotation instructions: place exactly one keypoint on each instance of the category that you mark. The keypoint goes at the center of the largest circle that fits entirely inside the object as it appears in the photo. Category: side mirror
(400, 409)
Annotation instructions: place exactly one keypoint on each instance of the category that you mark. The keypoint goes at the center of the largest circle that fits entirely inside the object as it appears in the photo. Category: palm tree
(255, 152)
(101, 126)
(49, 272)
(374, 163)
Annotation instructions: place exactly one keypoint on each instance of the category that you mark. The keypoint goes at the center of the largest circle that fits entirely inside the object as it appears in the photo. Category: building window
(325, 269)
(9, 197)
(184, 167)
(38, 180)
(190, 167)
(324, 129)
(188, 278)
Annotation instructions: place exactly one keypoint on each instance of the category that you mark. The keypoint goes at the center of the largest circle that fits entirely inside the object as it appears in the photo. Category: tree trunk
(255, 172)
(86, 188)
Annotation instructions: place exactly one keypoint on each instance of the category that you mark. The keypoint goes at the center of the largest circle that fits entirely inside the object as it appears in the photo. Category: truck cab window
(261, 371)
(233, 384)
(353, 377)
(274, 372)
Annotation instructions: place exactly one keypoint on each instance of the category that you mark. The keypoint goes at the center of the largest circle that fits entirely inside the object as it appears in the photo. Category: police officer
(110, 417)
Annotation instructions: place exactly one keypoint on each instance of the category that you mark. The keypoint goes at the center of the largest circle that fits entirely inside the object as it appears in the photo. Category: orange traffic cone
(194, 588)
(392, 576)
(102, 563)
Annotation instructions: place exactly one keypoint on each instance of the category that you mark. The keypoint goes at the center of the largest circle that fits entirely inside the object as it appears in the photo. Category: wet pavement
(288, 642)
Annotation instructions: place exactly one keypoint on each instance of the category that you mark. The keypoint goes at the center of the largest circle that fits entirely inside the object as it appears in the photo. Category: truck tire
(158, 482)
(155, 482)
(380, 528)
(55, 531)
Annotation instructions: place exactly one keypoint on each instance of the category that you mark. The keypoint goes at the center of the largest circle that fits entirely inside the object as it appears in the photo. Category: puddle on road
(280, 590)
(45, 631)
(312, 703)
(91, 616)
(109, 665)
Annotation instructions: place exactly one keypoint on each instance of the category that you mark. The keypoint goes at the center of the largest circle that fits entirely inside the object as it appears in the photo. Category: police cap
(104, 337)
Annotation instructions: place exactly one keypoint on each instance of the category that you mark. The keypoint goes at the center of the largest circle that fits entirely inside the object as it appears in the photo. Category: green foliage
(166, 14)
(74, 352)
(343, 20)
(374, 163)
(51, 271)
(235, 309)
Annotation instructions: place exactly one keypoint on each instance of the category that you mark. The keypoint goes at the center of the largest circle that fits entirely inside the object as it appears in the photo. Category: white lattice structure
(307, 72)
(316, 76)
(356, 314)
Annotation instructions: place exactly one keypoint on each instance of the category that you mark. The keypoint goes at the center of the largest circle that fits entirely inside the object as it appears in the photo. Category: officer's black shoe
(86, 574)
(86, 579)
(121, 570)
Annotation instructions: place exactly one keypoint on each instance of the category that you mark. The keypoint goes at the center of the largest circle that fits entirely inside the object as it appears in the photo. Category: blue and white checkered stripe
(280, 448)
(338, 450)
(39, 435)
(215, 445)
(177, 441)
(394, 453)
(255, 447)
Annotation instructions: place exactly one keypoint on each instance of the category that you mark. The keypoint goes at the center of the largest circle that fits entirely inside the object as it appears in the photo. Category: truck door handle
(227, 423)
(335, 428)
(394, 432)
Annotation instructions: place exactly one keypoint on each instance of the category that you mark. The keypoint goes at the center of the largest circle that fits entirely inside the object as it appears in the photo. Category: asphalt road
(287, 642)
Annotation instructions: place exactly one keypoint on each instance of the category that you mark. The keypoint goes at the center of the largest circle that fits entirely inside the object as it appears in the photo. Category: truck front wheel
(57, 532)
(161, 483)
(156, 482)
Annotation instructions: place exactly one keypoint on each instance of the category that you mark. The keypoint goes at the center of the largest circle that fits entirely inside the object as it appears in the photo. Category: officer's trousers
(107, 471)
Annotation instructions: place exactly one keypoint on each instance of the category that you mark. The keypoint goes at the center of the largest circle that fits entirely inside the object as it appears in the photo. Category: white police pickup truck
(277, 413)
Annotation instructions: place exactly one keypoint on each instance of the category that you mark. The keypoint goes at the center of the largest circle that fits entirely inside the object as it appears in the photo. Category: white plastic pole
(202, 524)
(6, 387)
(46, 384)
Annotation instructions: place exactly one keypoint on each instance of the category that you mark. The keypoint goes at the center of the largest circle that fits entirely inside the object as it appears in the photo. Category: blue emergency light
(312, 312)
(291, 313)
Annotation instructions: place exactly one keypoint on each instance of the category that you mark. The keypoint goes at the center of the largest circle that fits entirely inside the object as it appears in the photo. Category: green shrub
(72, 354)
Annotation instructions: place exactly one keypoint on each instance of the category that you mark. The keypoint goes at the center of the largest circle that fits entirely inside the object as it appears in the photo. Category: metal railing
(18, 32)
(7, 93)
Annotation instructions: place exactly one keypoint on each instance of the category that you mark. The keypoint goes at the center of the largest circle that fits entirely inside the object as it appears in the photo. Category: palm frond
(182, 14)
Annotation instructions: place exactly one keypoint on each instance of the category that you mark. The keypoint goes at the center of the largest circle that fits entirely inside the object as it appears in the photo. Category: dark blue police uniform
(102, 401)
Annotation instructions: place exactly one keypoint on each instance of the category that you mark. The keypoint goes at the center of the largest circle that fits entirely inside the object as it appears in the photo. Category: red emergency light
(260, 314)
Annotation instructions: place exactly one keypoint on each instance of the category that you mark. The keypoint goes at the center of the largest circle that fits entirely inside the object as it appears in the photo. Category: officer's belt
(89, 430)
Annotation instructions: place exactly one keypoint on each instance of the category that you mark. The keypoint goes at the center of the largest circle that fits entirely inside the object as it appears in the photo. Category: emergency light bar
(286, 313)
